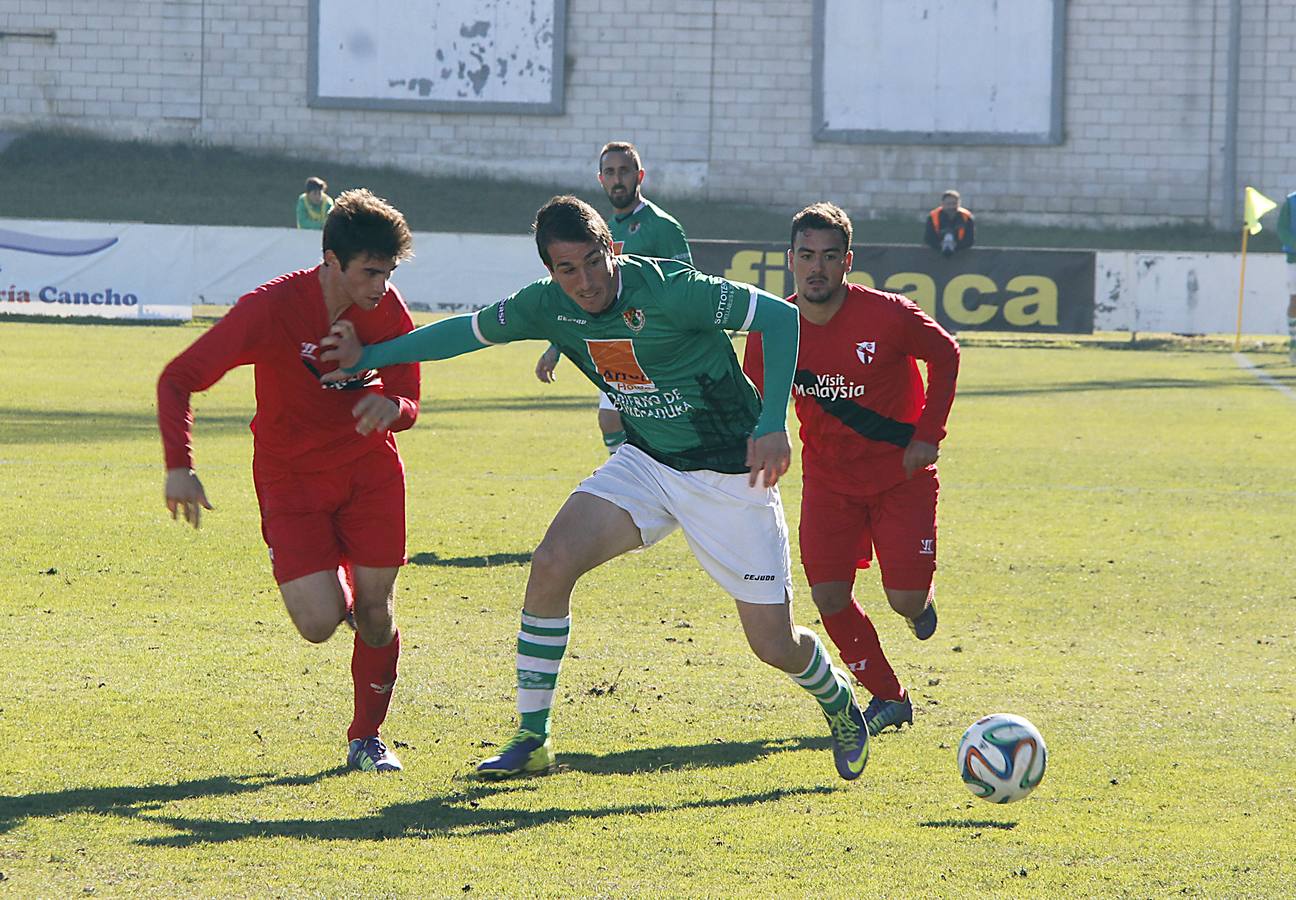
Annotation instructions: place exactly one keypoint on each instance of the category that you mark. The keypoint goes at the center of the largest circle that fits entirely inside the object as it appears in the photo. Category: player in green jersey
(638, 227)
(703, 454)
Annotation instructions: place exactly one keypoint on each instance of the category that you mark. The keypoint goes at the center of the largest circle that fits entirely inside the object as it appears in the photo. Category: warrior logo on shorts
(927, 546)
(634, 319)
(865, 351)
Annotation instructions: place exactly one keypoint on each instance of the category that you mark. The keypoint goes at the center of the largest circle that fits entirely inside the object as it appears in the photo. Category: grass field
(1115, 565)
(59, 175)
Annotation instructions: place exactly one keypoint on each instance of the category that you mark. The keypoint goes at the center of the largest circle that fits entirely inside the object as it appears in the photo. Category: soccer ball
(1002, 757)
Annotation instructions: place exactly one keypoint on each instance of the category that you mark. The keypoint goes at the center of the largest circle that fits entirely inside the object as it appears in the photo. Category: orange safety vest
(963, 215)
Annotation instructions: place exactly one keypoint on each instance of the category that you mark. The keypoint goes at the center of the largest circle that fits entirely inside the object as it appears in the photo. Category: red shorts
(839, 532)
(313, 521)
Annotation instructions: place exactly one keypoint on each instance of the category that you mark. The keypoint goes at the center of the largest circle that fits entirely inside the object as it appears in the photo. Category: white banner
(449, 272)
(111, 270)
(160, 271)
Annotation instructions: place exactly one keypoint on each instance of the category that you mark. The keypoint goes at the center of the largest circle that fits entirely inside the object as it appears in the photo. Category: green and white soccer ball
(1002, 758)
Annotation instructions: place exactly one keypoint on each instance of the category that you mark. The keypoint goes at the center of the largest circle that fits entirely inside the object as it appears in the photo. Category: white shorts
(736, 532)
(605, 402)
(1291, 278)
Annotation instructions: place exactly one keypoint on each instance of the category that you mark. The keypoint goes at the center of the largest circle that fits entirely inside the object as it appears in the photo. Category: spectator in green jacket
(313, 204)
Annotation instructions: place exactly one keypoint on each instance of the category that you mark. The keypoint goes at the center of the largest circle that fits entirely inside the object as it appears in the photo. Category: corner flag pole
(1254, 205)
(1237, 338)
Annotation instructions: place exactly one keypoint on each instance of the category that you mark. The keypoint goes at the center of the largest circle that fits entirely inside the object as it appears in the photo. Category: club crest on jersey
(634, 319)
(865, 350)
(634, 227)
(618, 247)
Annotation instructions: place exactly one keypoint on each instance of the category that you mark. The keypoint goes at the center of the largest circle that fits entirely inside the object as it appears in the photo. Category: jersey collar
(634, 212)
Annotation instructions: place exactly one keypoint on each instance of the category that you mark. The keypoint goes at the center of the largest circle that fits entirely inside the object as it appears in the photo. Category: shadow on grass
(62, 426)
(969, 823)
(130, 802)
(469, 813)
(486, 561)
(714, 755)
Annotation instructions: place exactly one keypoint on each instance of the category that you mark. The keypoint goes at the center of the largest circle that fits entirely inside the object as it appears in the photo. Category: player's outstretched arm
(769, 452)
(440, 340)
(184, 493)
(779, 325)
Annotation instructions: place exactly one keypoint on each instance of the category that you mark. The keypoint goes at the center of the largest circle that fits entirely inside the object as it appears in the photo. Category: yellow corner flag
(1256, 205)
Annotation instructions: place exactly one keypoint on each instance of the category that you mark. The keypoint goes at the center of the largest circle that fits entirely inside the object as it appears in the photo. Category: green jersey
(1287, 228)
(660, 352)
(650, 231)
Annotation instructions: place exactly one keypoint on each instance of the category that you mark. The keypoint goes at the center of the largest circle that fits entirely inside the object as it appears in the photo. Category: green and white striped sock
(1291, 330)
(540, 648)
(821, 680)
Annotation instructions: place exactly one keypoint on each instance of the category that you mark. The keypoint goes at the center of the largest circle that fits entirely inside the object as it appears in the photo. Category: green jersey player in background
(703, 453)
(639, 227)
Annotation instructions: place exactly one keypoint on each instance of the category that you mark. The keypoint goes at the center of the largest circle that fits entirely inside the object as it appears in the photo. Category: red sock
(857, 641)
(373, 672)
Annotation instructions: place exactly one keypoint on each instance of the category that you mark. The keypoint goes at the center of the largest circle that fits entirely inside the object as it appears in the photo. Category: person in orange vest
(950, 227)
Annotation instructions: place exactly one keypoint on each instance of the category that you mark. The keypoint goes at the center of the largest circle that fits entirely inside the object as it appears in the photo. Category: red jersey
(858, 392)
(299, 423)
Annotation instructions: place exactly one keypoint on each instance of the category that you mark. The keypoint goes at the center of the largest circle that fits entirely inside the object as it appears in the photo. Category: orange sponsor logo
(617, 363)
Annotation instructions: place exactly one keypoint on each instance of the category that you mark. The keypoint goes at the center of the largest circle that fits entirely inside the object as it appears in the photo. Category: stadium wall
(718, 94)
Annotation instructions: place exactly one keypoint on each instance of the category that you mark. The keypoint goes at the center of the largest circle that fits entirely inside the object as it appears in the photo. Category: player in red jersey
(329, 479)
(870, 436)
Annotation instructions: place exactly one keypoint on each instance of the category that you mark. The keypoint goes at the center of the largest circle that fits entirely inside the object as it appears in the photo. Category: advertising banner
(233, 260)
(977, 290)
(101, 269)
(133, 271)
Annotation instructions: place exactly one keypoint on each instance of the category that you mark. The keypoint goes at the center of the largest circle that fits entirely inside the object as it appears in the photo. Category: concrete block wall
(717, 94)
(1267, 119)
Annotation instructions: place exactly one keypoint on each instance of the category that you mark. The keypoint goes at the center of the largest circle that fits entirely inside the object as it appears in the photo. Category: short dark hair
(361, 223)
(822, 216)
(316, 184)
(568, 218)
(620, 147)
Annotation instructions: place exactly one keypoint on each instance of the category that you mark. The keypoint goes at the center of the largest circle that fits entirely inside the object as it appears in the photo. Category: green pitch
(1116, 541)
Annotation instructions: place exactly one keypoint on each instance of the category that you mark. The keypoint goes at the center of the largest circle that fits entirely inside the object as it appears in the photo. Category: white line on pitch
(1264, 376)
